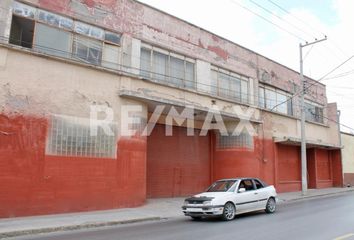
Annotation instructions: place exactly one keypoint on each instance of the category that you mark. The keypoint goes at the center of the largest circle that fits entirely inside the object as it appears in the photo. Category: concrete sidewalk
(154, 209)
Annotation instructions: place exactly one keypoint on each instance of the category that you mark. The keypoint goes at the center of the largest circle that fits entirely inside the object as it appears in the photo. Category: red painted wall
(245, 162)
(32, 183)
(289, 168)
(177, 165)
(323, 169)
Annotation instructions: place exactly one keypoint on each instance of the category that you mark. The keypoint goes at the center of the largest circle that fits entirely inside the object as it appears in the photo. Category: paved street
(325, 218)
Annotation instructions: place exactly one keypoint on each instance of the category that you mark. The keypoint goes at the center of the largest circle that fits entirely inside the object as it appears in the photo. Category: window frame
(277, 91)
(37, 20)
(316, 118)
(167, 76)
(237, 96)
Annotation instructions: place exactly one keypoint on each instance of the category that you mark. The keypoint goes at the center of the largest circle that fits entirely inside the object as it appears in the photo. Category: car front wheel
(229, 212)
(271, 205)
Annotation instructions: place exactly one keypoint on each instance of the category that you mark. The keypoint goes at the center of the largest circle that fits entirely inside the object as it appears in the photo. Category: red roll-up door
(177, 165)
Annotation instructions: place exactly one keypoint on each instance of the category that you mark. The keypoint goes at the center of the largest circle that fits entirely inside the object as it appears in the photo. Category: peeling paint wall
(31, 93)
(155, 27)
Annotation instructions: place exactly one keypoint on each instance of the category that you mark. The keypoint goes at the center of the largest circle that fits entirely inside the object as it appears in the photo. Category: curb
(74, 227)
(314, 196)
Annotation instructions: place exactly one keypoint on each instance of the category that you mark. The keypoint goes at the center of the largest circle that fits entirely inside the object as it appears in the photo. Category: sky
(292, 22)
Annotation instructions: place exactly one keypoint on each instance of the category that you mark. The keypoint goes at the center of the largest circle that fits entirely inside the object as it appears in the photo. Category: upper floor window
(60, 36)
(229, 85)
(167, 67)
(313, 112)
(275, 99)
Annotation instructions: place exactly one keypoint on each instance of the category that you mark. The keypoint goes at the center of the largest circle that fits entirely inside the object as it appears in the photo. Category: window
(275, 99)
(111, 56)
(229, 85)
(70, 136)
(258, 184)
(88, 30)
(166, 67)
(145, 63)
(112, 37)
(313, 112)
(24, 10)
(244, 140)
(22, 32)
(222, 186)
(55, 20)
(160, 63)
(246, 184)
(53, 41)
(61, 36)
(87, 50)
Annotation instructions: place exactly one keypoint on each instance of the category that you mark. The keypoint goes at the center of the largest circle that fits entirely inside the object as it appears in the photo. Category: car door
(246, 201)
(261, 194)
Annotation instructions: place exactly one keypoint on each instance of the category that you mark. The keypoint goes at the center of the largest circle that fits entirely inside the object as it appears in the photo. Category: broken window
(55, 20)
(88, 30)
(21, 33)
(313, 112)
(87, 50)
(57, 35)
(53, 41)
(24, 10)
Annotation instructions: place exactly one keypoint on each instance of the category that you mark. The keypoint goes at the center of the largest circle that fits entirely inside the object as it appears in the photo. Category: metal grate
(71, 136)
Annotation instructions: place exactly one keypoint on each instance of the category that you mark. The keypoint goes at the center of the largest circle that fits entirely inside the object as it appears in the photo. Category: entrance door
(177, 165)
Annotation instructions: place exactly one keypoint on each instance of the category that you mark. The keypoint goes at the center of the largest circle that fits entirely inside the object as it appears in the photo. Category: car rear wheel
(229, 212)
(271, 205)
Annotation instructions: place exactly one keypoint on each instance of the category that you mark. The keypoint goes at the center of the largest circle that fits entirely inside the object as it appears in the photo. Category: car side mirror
(242, 190)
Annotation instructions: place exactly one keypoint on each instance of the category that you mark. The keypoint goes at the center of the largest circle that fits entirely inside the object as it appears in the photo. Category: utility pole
(302, 106)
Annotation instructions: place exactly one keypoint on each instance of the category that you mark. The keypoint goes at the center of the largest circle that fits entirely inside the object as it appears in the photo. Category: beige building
(61, 59)
(348, 158)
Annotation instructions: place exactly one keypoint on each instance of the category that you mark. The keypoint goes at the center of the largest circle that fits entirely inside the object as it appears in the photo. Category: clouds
(333, 18)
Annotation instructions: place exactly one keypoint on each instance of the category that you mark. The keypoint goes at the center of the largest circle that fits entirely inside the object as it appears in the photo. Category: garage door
(177, 165)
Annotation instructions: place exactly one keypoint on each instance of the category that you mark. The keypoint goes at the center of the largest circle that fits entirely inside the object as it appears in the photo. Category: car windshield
(222, 186)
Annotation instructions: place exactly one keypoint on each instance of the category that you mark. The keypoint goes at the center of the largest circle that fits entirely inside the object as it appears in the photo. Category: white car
(229, 197)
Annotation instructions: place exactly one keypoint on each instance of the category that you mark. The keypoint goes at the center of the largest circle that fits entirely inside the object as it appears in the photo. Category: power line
(279, 17)
(267, 20)
(295, 17)
(315, 83)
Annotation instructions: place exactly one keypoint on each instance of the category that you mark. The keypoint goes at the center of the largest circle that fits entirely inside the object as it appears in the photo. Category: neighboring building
(60, 58)
(348, 158)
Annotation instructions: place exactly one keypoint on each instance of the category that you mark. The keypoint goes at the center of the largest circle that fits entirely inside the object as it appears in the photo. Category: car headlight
(185, 203)
(207, 203)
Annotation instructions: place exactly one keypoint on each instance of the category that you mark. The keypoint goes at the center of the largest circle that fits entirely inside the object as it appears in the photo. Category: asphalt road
(325, 218)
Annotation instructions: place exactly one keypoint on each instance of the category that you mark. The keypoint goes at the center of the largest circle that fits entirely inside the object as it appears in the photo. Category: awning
(201, 111)
(309, 143)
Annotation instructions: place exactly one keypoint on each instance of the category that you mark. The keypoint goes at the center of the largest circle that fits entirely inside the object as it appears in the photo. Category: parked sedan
(229, 197)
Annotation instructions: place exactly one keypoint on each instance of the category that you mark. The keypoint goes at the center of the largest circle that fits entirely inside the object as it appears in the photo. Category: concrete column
(5, 19)
(131, 54)
(203, 76)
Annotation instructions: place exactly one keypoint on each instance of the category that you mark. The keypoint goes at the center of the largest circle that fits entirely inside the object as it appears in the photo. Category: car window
(221, 186)
(247, 184)
(258, 184)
